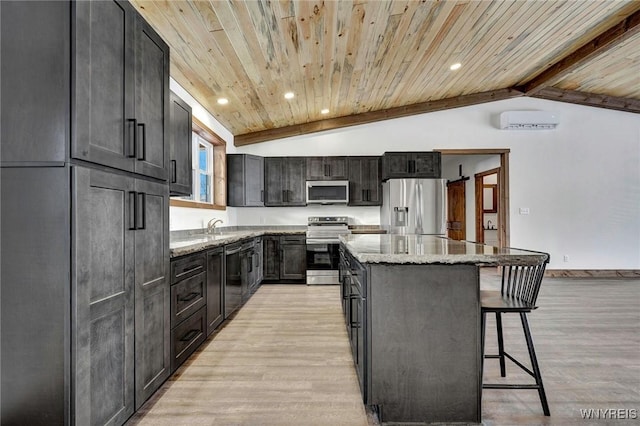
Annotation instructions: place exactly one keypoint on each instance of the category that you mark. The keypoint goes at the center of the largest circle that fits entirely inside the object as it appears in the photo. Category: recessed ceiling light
(455, 66)
(324, 111)
(289, 95)
(223, 101)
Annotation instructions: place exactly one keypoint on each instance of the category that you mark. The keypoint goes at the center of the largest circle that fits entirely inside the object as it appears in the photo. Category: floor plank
(284, 359)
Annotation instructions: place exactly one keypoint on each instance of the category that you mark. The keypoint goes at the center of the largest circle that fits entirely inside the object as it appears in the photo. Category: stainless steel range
(322, 248)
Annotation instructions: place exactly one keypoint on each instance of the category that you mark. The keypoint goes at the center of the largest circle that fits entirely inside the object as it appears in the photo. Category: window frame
(219, 163)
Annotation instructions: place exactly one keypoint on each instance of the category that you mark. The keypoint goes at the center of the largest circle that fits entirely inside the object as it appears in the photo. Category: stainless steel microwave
(327, 192)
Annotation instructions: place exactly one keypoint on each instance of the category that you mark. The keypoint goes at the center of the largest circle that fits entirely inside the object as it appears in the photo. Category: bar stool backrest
(523, 282)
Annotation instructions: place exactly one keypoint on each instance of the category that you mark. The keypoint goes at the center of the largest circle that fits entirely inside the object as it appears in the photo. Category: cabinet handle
(284, 196)
(262, 195)
(186, 271)
(141, 213)
(189, 297)
(250, 262)
(327, 170)
(133, 135)
(364, 195)
(190, 335)
(174, 171)
(412, 166)
(143, 143)
(132, 210)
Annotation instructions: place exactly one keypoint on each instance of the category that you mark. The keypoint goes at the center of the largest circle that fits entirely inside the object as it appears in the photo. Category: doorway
(487, 199)
(456, 210)
(503, 185)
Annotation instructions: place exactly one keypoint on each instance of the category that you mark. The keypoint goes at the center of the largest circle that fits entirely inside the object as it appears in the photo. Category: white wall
(581, 181)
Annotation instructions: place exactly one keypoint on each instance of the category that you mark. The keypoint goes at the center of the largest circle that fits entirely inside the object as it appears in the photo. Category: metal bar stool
(518, 294)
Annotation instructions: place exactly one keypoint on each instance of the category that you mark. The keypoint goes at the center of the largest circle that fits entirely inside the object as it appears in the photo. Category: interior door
(456, 228)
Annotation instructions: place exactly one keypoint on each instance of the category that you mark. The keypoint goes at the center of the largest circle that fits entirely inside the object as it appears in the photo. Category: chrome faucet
(211, 226)
(489, 225)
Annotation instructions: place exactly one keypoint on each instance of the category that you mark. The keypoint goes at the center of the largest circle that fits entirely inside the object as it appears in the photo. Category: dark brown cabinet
(85, 97)
(365, 182)
(189, 296)
(327, 168)
(121, 96)
(411, 165)
(271, 263)
(215, 288)
(285, 258)
(285, 181)
(180, 176)
(245, 180)
(121, 260)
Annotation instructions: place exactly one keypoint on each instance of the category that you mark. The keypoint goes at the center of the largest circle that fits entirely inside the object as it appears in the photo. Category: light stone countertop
(431, 249)
(183, 245)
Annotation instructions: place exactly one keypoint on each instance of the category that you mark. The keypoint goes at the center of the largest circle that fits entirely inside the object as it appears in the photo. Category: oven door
(322, 262)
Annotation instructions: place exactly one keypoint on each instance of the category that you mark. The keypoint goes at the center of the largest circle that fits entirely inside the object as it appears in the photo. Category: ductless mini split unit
(528, 120)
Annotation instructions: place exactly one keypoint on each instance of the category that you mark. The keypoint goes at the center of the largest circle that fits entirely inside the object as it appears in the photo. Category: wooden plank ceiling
(373, 60)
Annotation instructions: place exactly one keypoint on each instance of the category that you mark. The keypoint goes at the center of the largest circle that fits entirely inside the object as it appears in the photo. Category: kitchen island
(412, 308)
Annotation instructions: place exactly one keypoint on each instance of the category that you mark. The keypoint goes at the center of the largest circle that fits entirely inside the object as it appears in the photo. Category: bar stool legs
(503, 371)
(502, 355)
(534, 363)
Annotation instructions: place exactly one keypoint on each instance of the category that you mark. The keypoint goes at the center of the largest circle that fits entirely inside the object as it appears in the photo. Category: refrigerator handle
(420, 209)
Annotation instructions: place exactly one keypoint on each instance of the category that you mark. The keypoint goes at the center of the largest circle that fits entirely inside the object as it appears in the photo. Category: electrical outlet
(524, 210)
(566, 257)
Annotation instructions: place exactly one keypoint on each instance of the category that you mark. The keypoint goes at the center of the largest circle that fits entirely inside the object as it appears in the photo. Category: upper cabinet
(121, 94)
(180, 175)
(35, 106)
(245, 180)
(327, 168)
(411, 165)
(285, 181)
(365, 183)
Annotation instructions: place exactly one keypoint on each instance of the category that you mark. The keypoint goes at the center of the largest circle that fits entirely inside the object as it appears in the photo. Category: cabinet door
(180, 175)
(271, 258)
(315, 168)
(152, 298)
(258, 261)
(151, 102)
(337, 168)
(36, 82)
(103, 302)
(293, 265)
(273, 176)
(295, 182)
(104, 120)
(215, 285)
(365, 185)
(427, 164)
(254, 180)
(395, 165)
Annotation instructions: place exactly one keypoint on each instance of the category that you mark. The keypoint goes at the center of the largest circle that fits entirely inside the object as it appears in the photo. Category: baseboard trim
(592, 273)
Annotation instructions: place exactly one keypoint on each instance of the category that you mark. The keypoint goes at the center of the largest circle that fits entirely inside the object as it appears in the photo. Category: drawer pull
(190, 335)
(189, 297)
(186, 271)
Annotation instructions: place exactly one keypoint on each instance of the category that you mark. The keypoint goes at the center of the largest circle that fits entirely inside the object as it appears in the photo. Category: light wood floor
(285, 360)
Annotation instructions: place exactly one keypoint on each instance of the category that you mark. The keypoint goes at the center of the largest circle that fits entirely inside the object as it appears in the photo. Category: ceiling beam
(589, 99)
(605, 41)
(373, 116)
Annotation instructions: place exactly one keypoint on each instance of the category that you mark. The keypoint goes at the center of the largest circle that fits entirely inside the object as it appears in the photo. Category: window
(202, 169)
(208, 170)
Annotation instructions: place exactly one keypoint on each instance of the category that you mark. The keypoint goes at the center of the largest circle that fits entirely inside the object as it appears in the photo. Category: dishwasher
(233, 285)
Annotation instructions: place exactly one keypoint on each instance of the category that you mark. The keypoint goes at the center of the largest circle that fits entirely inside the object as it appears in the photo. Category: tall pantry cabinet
(84, 279)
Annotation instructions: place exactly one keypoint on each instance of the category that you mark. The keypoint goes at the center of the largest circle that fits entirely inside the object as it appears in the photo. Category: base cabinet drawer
(188, 296)
(187, 267)
(187, 337)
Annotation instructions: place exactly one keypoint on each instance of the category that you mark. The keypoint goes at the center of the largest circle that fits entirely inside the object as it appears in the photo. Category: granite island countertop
(431, 249)
(187, 244)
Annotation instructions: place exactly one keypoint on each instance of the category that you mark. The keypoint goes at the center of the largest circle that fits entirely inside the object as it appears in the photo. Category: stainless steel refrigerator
(414, 206)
